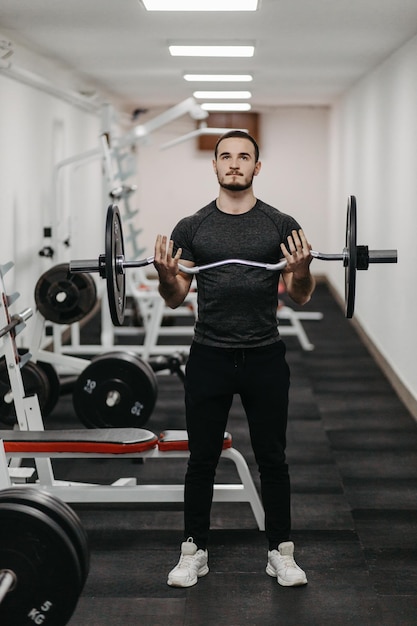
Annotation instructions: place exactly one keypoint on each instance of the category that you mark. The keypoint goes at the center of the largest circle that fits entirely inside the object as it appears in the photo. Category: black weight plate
(34, 380)
(65, 298)
(48, 393)
(351, 260)
(115, 276)
(42, 557)
(54, 386)
(117, 390)
(58, 511)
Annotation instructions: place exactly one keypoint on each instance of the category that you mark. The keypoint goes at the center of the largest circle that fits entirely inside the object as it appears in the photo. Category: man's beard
(237, 186)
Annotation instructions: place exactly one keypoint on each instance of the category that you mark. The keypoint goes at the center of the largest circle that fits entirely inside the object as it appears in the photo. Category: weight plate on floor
(114, 257)
(65, 298)
(54, 386)
(117, 390)
(60, 512)
(34, 380)
(350, 260)
(46, 566)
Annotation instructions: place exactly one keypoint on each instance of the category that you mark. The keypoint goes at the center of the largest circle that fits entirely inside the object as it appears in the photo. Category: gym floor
(352, 453)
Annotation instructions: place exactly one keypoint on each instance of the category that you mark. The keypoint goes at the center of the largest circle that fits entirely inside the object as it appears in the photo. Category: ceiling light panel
(211, 51)
(218, 78)
(226, 106)
(228, 95)
(200, 5)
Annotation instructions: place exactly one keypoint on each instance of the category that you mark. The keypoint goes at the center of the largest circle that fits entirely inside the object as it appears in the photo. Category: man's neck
(235, 202)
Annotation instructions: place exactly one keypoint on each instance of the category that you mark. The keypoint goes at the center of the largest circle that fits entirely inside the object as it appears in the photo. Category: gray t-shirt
(237, 304)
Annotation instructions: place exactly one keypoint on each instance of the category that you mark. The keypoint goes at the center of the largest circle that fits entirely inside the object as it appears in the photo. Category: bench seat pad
(178, 440)
(97, 440)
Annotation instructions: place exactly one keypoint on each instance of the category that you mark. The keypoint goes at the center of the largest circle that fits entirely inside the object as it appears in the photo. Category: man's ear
(214, 166)
(257, 168)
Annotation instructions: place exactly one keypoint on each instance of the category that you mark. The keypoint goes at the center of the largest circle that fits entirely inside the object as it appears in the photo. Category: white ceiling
(308, 52)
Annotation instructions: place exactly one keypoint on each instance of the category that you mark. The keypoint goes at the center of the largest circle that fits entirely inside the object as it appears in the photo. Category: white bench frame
(126, 489)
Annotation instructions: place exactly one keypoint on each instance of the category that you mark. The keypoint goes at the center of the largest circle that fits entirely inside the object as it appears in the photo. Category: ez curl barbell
(112, 264)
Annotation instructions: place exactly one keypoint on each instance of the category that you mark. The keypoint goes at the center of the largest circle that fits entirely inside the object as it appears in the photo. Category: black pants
(261, 377)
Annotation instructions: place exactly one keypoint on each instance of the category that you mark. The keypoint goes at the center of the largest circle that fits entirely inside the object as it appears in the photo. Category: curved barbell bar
(112, 264)
(91, 266)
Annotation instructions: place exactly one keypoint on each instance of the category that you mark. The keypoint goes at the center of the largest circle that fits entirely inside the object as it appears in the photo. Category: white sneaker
(281, 565)
(191, 566)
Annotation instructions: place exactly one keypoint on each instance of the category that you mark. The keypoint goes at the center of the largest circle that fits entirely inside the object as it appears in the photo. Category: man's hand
(297, 255)
(298, 281)
(165, 264)
(173, 284)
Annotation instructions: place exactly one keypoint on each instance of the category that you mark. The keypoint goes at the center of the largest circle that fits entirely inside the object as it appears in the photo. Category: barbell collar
(88, 266)
(383, 256)
(85, 265)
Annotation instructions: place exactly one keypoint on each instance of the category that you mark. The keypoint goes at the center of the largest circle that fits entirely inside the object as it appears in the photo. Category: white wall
(374, 139)
(37, 131)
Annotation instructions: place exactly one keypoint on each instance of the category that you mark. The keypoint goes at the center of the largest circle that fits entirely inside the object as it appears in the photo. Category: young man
(236, 347)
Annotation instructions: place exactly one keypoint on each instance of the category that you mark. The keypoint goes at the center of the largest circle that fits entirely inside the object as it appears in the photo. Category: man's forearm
(173, 293)
(301, 288)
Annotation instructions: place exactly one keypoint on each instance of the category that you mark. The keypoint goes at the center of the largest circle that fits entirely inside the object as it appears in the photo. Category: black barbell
(112, 264)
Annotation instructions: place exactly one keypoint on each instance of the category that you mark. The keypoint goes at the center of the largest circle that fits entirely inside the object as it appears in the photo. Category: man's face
(235, 164)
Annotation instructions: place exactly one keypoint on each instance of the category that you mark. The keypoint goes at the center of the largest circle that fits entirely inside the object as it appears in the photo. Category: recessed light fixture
(226, 106)
(228, 95)
(219, 78)
(200, 5)
(211, 51)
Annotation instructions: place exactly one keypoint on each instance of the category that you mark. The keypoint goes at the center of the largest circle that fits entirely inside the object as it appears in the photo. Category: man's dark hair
(242, 135)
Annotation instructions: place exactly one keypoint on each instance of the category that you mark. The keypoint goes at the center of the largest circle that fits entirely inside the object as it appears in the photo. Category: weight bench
(44, 445)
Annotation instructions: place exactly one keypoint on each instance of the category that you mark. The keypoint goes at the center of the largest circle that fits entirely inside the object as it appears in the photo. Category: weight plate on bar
(350, 260)
(65, 298)
(60, 512)
(46, 565)
(117, 390)
(34, 380)
(114, 257)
